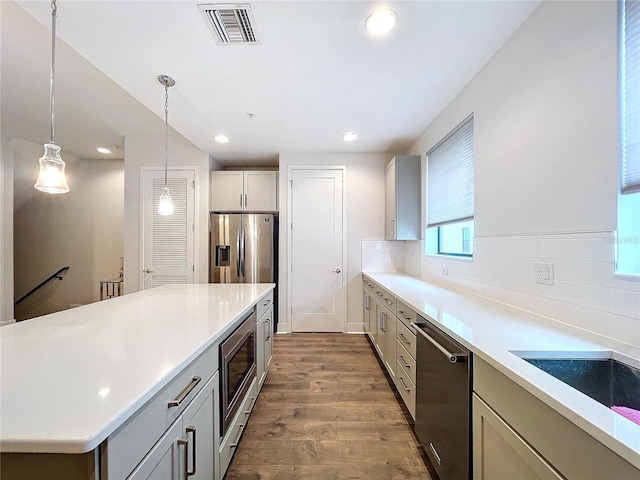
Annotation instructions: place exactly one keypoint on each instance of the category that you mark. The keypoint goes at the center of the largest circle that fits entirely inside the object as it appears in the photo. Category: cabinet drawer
(231, 439)
(263, 304)
(406, 388)
(405, 313)
(407, 361)
(386, 299)
(131, 442)
(407, 338)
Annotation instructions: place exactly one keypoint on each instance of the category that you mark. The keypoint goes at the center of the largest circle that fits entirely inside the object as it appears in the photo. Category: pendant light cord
(54, 10)
(166, 132)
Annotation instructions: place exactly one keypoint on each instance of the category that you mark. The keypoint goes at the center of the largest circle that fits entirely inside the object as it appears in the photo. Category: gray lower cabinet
(387, 323)
(264, 344)
(517, 436)
(501, 453)
(187, 449)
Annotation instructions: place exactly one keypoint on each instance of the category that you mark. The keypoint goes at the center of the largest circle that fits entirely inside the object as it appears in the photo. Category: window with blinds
(628, 234)
(630, 96)
(450, 193)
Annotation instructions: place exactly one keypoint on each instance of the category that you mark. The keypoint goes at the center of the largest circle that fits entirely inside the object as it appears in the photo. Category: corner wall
(365, 220)
(546, 169)
(6, 232)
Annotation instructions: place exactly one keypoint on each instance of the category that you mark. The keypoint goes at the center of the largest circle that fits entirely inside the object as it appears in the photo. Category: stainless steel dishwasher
(443, 401)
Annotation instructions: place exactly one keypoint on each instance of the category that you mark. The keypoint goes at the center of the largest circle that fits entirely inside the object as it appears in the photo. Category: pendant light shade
(51, 178)
(165, 204)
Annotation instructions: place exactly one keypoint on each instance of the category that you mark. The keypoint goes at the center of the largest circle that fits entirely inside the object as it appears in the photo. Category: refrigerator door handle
(242, 252)
(238, 251)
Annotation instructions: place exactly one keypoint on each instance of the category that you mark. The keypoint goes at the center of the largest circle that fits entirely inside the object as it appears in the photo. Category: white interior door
(317, 291)
(168, 241)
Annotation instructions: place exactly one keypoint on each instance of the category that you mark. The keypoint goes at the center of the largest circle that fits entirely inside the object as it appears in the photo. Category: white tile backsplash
(586, 292)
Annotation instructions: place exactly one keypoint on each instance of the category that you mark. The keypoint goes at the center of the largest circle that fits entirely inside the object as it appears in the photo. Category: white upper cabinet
(249, 190)
(402, 198)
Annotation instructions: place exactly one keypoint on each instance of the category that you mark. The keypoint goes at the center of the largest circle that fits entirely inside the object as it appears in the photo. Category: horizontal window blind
(630, 95)
(450, 177)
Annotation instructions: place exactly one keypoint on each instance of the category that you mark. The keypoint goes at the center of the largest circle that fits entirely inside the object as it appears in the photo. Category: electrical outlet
(445, 270)
(543, 273)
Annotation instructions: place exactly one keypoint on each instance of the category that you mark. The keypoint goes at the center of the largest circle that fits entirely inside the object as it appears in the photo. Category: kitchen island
(520, 410)
(72, 379)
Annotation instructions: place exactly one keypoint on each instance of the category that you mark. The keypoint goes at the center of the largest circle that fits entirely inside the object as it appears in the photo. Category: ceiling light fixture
(222, 139)
(165, 206)
(103, 150)
(349, 137)
(51, 178)
(380, 21)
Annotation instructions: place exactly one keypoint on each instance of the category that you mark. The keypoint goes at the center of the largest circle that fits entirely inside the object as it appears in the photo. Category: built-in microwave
(238, 369)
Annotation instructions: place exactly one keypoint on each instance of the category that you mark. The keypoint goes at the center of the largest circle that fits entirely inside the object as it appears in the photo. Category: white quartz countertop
(69, 379)
(492, 331)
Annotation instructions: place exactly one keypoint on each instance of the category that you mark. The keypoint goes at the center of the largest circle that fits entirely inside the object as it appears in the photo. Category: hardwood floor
(327, 412)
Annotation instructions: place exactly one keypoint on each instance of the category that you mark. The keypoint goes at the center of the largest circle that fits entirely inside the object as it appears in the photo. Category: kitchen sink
(606, 379)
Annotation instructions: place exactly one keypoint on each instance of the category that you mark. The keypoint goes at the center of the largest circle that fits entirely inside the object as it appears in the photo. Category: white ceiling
(315, 75)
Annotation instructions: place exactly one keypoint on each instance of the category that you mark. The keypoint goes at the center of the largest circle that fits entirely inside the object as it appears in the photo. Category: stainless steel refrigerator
(243, 248)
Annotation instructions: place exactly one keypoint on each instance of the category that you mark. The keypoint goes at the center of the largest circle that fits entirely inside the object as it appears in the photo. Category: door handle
(147, 270)
(337, 270)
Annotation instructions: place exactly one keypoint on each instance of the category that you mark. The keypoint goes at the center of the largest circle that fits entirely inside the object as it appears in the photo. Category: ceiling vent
(230, 23)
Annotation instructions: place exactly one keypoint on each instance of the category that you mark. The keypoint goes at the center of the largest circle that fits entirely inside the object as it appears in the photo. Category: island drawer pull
(185, 444)
(185, 392)
(404, 362)
(188, 472)
(235, 444)
(404, 339)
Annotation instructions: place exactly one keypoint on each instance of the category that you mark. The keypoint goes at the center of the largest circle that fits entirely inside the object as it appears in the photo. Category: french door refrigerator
(243, 248)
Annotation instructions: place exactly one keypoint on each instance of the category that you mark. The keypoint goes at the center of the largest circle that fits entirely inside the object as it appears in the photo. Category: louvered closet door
(168, 241)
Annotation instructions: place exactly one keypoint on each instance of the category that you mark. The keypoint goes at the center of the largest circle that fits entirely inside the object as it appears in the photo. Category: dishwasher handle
(453, 357)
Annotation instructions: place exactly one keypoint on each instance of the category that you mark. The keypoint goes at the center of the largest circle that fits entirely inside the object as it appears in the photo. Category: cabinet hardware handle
(404, 385)
(268, 335)
(185, 444)
(235, 444)
(379, 294)
(266, 303)
(453, 357)
(404, 362)
(147, 270)
(388, 302)
(192, 430)
(435, 454)
(401, 335)
(185, 391)
(253, 402)
(245, 200)
(241, 201)
(404, 314)
(367, 298)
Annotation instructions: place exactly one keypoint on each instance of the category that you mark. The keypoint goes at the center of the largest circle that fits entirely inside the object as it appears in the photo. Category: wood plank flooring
(327, 412)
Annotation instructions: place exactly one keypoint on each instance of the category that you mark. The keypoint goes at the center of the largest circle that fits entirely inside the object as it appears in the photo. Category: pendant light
(165, 206)
(51, 178)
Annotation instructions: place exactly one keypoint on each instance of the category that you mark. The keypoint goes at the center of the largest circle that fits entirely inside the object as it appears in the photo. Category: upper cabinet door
(260, 188)
(250, 190)
(390, 201)
(402, 198)
(227, 191)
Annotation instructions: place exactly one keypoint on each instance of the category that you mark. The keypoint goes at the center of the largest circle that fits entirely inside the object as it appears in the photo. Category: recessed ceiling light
(103, 150)
(349, 137)
(222, 139)
(380, 21)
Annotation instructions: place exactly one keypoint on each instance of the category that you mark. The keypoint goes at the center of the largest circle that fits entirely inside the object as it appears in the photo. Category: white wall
(546, 166)
(6, 231)
(149, 151)
(365, 220)
(82, 229)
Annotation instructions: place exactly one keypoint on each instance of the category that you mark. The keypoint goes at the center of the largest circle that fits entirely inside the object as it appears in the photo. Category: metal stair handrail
(42, 284)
